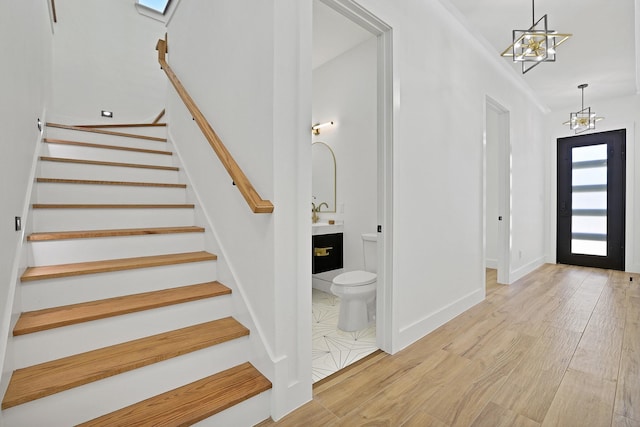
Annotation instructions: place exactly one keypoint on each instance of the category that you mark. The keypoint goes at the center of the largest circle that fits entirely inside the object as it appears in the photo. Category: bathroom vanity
(326, 247)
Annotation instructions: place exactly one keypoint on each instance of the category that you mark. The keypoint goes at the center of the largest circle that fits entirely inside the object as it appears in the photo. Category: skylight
(159, 6)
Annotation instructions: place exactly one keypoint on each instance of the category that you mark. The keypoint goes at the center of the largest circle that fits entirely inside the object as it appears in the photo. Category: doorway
(374, 203)
(591, 200)
(497, 190)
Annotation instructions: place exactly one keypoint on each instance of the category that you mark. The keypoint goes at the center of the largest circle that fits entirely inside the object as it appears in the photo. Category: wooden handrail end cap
(264, 207)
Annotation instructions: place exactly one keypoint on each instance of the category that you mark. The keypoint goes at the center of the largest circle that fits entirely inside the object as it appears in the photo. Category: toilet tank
(370, 251)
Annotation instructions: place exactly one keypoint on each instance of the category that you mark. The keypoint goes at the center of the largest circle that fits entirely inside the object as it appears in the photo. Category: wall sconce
(316, 128)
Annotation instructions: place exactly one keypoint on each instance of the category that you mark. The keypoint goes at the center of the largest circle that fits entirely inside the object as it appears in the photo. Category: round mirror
(323, 179)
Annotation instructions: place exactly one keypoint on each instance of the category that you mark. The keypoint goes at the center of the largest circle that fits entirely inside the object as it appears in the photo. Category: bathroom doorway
(352, 96)
(497, 191)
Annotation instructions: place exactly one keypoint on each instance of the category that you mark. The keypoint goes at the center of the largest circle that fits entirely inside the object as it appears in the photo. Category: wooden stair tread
(111, 206)
(105, 146)
(191, 403)
(48, 378)
(40, 320)
(87, 234)
(101, 163)
(122, 125)
(76, 269)
(97, 182)
(106, 132)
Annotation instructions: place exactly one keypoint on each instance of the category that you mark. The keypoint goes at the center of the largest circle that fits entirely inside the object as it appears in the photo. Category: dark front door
(591, 200)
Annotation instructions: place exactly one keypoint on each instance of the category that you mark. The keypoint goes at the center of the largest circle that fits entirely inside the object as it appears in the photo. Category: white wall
(25, 43)
(442, 76)
(105, 59)
(244, 63)
(250, 63)
(344, 90)
(619, 113)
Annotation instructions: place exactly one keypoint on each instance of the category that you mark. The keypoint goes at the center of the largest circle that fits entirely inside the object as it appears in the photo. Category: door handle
(322, 251)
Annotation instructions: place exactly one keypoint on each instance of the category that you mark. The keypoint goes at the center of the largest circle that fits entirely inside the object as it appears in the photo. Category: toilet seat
(355, 278)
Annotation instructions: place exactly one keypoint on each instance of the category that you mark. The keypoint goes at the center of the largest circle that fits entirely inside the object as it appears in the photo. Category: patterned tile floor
(332, 348)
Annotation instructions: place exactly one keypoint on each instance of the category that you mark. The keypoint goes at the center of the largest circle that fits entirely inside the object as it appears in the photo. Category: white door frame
(385, 317)
(504, 190)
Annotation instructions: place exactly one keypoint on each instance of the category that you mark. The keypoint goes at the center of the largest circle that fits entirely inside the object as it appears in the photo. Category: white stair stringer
(92, 400)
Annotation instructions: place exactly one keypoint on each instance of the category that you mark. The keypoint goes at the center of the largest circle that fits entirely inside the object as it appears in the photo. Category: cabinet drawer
(326, 252)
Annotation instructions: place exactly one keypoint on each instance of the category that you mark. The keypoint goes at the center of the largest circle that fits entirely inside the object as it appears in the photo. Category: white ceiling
(333, 34)
(602, 52)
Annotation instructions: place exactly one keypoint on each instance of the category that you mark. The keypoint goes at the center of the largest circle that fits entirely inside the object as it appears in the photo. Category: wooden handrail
(256, 203)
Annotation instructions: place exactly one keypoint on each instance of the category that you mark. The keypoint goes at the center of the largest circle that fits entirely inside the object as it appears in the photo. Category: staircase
(123, 322)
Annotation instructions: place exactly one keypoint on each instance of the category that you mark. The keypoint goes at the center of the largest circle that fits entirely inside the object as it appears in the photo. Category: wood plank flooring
(560, 347)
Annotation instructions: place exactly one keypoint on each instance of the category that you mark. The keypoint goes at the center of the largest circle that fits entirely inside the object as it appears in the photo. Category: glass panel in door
(589, 200)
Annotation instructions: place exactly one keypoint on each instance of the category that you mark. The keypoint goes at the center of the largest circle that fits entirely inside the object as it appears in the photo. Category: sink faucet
(315, 210)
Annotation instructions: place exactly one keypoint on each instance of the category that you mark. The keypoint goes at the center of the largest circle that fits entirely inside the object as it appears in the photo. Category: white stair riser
(96, 249)
(97, 138)
(91, 219)
(39, 347)
(49, 169)
(244, 414)
(105, 154)
(93, 193)
(41, 294)
(89, 401)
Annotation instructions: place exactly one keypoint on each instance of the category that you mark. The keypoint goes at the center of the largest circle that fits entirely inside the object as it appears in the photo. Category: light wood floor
(559, 347)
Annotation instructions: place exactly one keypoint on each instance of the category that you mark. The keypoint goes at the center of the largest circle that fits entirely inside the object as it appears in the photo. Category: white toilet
(357, 290)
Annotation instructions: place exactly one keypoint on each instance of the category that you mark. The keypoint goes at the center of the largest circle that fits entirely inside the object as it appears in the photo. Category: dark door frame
(616, 193)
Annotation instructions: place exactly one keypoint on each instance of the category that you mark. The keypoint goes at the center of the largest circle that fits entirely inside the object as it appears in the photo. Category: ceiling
(333, 34)
(602, 52)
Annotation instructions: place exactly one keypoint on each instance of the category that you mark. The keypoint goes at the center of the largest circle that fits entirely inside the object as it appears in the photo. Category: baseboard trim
(412, 333)
(526, 269)
(635, 268)
(491, 263)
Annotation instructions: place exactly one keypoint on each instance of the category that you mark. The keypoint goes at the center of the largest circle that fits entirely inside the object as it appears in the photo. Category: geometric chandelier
(584, 119)
(536, 44)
